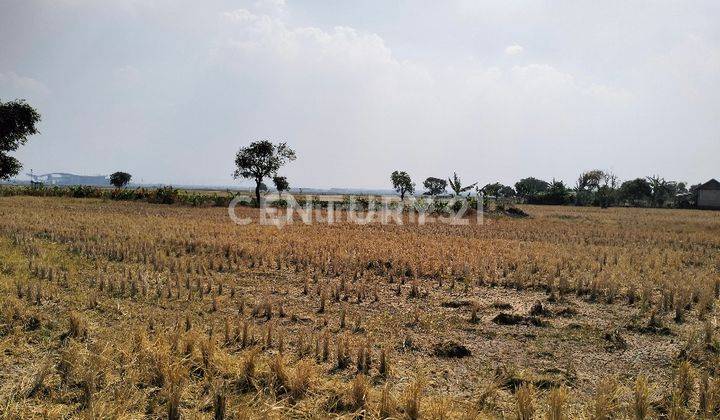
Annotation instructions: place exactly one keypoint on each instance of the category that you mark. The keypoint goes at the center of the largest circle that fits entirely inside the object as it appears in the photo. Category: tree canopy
(665, 192)
(17, 121)
(281, 184)
(498, 190)
(261, 159)
(402, 183)
(635, 191)
(590, 180)
(120, 179)
(434, 186)
(529, 187)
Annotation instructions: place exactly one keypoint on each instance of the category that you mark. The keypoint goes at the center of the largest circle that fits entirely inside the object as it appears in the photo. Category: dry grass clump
(358, 392)
(606, 402)
(684, 383)
(641, 408)
(557, 404)
(525, 400)
(412, 399)
(78, 326)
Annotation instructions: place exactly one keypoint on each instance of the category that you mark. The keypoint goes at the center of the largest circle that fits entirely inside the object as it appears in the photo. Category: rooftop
(713, 184)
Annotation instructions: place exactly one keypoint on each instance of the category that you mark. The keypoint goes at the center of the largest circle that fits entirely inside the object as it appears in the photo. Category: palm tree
(456, 185)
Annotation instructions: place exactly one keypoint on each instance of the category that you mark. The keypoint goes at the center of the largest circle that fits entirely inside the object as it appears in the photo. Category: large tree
(636, 191)
(434, 186)
(261, 159)
(17, 122)
(530, 187)
(590, 180)
(402, 183)
(498, 190)
(120, 179)
(587, 185)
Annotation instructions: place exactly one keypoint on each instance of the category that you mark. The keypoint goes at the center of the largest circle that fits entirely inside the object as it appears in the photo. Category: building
(65, 179)
(709, 195)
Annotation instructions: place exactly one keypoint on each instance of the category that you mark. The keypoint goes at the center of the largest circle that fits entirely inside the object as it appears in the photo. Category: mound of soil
(503, 306)
(516, 212)
(504, 318)
(650, 329)
(456, 304)
(546, 379)
(539, 310)
(616, 340)
(451, 349)
(566, 312)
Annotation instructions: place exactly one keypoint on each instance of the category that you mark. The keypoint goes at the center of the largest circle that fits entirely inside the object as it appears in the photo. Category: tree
(456, 185)
(402, 183)
(261, 159)
(17, 122)
(506, 191)
(531, 187)
(587, 184)
(120, 179)
(635, 191)
(281, 184)
(9, 166)
(590, 180)
(662, 190)
(435, 186)
(693, 195)
(607, 190)
(556, 193)
(498, 190)
(675, 192)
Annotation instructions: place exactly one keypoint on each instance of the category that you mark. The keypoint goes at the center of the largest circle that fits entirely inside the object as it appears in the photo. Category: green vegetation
(402, 183)
(261, 159)
(120, 179)
(17, 122)
(162, 195)
(435, 186)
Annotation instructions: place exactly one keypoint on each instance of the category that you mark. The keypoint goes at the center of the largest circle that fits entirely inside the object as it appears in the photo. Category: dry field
(130, 310)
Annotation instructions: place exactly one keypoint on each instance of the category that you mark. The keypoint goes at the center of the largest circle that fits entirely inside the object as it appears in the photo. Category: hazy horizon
(494, 90)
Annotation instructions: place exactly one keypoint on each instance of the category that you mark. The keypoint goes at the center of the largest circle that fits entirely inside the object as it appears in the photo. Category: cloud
(343, 93)
(514, 50)
(22, 85)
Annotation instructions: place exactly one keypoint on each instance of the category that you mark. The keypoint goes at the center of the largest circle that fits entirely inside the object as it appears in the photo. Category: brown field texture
(132, 310)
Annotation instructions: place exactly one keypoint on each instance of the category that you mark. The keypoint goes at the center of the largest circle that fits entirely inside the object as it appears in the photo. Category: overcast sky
(168, 90)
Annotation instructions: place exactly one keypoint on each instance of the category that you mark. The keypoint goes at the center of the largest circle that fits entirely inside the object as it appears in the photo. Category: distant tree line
(160, 195)
(593, 188)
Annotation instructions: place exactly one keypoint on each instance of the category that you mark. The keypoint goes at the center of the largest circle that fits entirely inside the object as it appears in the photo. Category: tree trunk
(257, 192)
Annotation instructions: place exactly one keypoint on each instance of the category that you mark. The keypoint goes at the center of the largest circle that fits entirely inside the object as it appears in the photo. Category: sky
(499, 90)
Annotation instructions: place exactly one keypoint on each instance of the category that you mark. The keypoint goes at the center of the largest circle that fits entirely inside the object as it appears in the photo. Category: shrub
(164, 195)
